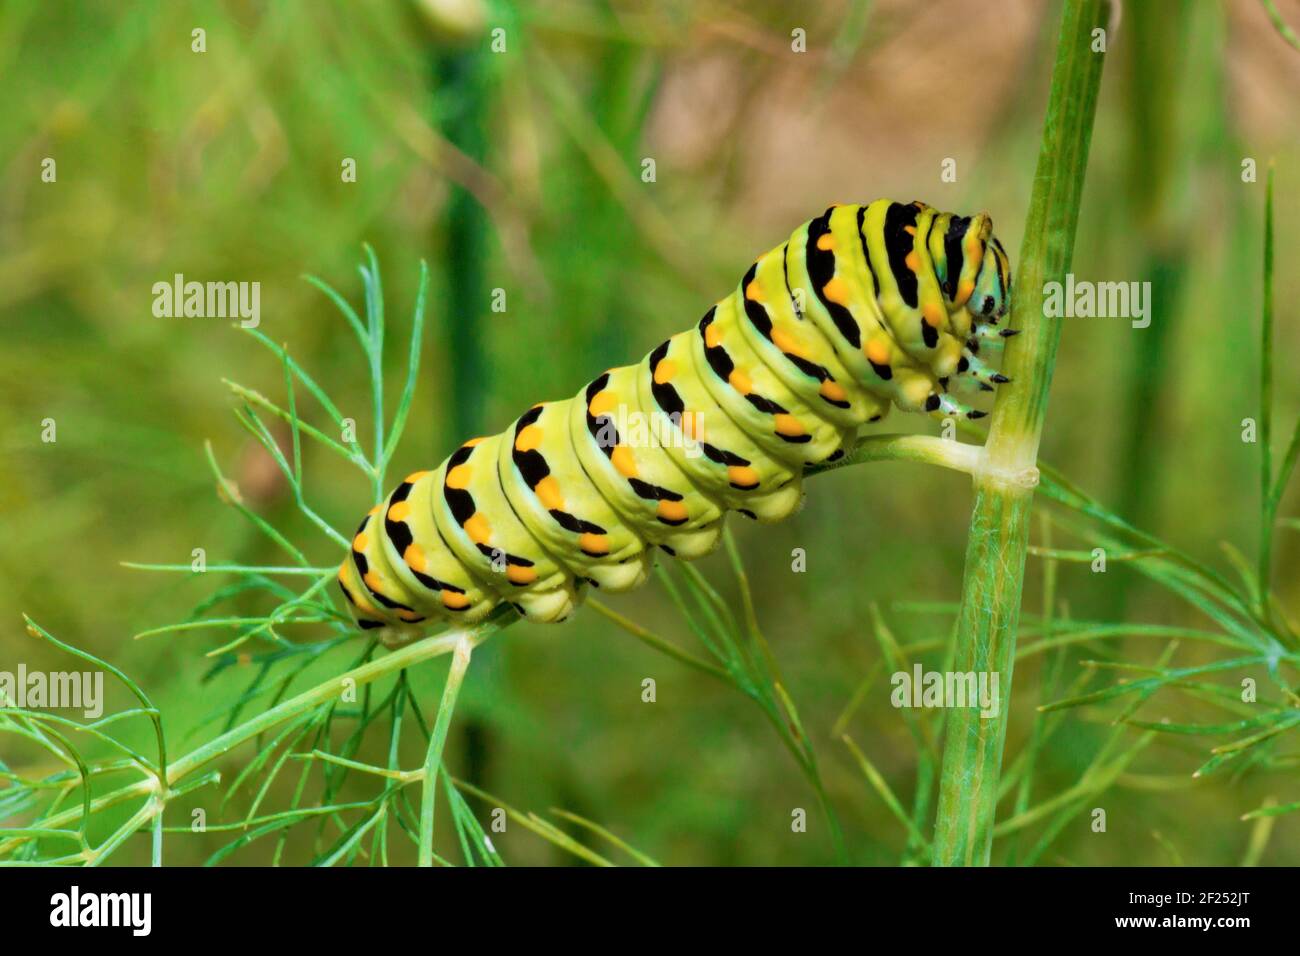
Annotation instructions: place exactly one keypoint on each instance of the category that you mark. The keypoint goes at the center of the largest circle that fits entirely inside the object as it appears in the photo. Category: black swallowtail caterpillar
(863, 307)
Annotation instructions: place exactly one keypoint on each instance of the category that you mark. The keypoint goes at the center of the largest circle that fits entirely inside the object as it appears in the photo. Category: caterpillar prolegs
(862, 308)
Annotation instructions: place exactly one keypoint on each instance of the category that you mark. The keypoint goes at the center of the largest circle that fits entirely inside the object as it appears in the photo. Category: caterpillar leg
(973, 366)
(991, 335)
(945, 406)
(962, 384)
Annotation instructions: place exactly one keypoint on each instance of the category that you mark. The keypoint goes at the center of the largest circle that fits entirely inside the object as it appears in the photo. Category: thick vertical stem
(999, 531)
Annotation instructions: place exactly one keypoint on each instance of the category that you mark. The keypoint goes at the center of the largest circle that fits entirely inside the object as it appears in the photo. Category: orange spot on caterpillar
(454, 601)
(742, 476)
(913, 261)
(672, 511)
(965, 289)
(519, 575)
(624, 461)
(529, 439)
(548, 492)
(347, 574)
(360, 542)
(409, 616)
(934, 315)
(478, 528)
(788, 343)
(374, 511)
(826, 242)
(415, 476)
(878, 351)
(740, 382)
(593, 544)
(833, 391)
(837, 291)
(458, 477)
(787, 425)
(400, 511)
(414, 559)
(754, 291)
(712, 335)
(665, 371)
(475, 441)
(603, 403)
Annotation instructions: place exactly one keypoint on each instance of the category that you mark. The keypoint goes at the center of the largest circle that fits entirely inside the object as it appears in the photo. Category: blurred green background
(522, 170)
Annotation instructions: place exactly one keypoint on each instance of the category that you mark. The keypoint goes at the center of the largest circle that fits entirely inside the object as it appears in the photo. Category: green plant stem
(999, 530)
(948, 453)
(1279, 24)
(433, 758)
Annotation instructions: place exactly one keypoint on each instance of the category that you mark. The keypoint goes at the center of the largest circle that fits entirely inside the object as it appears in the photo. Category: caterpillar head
(992, 296)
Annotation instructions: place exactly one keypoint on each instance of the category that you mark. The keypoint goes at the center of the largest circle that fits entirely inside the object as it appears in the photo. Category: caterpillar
(863, 308)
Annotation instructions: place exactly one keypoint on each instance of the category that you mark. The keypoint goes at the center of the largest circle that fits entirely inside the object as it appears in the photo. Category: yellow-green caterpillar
(863, 307)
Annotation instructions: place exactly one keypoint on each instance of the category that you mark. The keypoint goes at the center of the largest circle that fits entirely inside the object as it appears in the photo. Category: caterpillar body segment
(549, 490)
(635, 473)
(837, 299)
(495, 546)
(419, 555)
(771, 320)
(841, 271)
(710, 449)
(862, 308)
(755, 396)
(907, 289)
